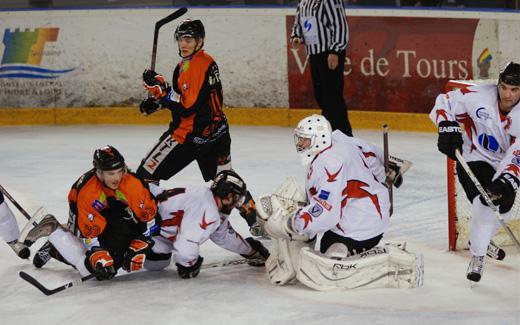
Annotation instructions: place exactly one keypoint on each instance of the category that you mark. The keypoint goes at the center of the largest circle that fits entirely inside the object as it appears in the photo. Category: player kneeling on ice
(192, 215)
(346, 201)
(112, 215)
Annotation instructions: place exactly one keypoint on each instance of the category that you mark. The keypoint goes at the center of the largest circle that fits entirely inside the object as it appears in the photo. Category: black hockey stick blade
(49, 292)
(176, 14)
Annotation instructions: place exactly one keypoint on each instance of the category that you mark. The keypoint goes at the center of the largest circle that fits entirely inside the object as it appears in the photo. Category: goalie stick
(48, 292)
(179, 12)
(18, 206)
(486, 197)
(388, 181)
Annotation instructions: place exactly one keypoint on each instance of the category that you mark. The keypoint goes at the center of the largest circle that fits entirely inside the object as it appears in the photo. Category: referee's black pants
(328, 90)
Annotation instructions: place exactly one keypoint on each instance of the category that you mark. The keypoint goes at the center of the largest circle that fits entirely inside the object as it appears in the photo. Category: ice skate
(20, 249)
(43, 255)
(495, 252)
(475, 268)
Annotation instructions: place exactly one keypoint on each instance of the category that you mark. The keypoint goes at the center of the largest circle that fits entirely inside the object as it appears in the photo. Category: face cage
(303, 138)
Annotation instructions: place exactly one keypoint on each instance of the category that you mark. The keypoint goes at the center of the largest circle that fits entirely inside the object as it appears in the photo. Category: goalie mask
(108, 158)
(311, 136)
(228, 182)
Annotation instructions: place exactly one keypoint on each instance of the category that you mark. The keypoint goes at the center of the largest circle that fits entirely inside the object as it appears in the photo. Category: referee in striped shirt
(321, 25)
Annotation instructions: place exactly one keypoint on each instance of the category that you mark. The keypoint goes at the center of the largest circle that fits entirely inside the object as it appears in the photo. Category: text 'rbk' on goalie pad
(389, 266)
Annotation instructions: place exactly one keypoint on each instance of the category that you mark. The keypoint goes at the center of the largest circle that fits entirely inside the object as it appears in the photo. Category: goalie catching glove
(155, 84)
(99, 262)
(133, 258)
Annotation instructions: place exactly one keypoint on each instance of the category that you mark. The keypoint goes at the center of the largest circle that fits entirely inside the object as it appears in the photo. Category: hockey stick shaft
(48, 292)
(18, 206)
(179, 12)
(386, 162)
(486, 197)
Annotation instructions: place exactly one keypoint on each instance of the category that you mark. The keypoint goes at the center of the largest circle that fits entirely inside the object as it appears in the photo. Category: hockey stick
(484, 195)
(179, 12)
(388, 181)
(48, 292)
(18, 206)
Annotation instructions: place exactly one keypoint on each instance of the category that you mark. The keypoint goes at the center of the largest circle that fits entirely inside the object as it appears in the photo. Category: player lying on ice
(191, 216)
(113, 213)
(346, 202)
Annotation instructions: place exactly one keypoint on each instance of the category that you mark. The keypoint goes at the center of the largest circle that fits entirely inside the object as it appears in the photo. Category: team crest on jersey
(323, 203)
(98, 205)
(488, 142)
(324, 195)
(316, 210)
(482, 114)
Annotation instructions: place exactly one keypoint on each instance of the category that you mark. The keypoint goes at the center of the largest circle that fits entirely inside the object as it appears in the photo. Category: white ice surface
(39, 164)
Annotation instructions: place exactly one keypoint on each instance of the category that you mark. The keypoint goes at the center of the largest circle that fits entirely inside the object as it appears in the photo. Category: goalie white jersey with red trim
(190, 217)
(344, 193)
(488, 134)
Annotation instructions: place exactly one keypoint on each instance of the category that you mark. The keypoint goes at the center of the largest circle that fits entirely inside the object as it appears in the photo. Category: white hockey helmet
(312, 135)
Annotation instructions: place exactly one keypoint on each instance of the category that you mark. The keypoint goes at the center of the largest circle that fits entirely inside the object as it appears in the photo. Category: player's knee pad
(157, 261)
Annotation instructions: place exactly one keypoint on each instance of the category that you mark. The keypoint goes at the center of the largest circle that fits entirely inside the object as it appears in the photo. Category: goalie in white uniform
(346, 201)
(490, 114)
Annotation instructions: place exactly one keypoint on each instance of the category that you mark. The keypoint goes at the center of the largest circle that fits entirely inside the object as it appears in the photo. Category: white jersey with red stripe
(488, 134)
(190, 216)
(344, 194)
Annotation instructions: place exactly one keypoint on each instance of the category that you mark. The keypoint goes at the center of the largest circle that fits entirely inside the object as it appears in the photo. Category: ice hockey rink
(39, 164)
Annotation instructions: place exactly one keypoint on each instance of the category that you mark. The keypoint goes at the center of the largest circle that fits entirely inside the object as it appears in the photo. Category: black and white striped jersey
(322, 25)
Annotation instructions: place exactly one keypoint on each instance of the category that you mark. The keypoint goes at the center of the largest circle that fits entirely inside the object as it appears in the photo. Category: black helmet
(108, 158)
(190, 28)
(511, 74)
(227, 181)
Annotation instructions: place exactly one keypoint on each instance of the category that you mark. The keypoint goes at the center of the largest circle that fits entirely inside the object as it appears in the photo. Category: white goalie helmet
(312, 135)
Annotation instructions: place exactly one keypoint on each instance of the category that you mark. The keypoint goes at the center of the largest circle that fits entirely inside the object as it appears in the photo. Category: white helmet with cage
(312, 135)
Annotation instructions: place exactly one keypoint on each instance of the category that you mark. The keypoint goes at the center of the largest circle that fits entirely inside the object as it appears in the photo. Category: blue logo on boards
(488, 142)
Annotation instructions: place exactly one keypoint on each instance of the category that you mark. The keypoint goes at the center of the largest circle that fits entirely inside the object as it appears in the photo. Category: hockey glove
(149, 106)
(99, 262)
(187, 272)
(260, 253)
(155, 84)
(450, 138)
(502, 192)
(394, 174)
(133, 258)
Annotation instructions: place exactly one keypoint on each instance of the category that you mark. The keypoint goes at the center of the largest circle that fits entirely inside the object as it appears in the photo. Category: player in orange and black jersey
(112, 212)
(199, 129)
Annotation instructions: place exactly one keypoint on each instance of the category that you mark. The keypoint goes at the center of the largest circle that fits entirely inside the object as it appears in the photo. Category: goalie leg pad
(283, 262)
(9, 230)
(380, 267)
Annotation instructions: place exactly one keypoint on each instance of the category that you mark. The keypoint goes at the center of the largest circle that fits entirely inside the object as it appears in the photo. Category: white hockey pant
(9, 230)
(484, 225)
(71, 248)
